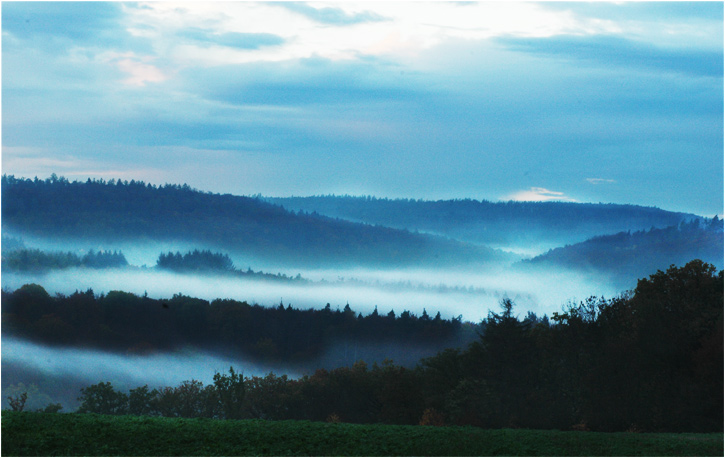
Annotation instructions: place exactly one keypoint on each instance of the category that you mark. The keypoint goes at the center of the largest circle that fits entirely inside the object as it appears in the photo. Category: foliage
(101, 398)
(51, 408)
(37, 434)
(230, 390)
(141, 401)
(17, 404)
(26, 398)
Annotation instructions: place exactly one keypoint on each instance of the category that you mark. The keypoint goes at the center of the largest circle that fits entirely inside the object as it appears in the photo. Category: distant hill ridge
(629, 255)
(119, 210)
(556, 223)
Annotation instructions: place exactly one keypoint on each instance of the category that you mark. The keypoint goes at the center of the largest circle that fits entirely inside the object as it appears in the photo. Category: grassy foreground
(41, 434)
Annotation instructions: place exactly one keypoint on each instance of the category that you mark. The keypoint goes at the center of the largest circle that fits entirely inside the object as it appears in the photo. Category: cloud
(306, 82)
(607, 50)
(539, 195)
(655, 12)
(348, 31)
(330, 16)
(386, 98)
(140, 72)
(232, 39)
(71, 20)
(600, 180)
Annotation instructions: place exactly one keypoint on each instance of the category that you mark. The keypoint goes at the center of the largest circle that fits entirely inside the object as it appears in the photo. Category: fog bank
(56, 367)
(452, 293)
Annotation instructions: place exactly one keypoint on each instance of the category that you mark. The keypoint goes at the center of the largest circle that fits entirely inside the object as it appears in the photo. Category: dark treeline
(651, 360)
(628, 255)
(208, 262)
(490, 222)
(196, 261)
(16, 257)
(124, 322)
(30, 259)
(117, 210)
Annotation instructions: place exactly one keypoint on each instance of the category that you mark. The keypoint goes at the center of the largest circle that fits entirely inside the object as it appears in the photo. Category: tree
(504, 358)
(678, 322)
(30, 302)
(17, 403)
(192, 400)
(103, 399)
(267, 397)
(51, 408)
(230, 390)
(141, 400)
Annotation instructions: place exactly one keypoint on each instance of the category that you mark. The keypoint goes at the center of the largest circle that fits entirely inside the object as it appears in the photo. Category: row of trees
(648, 361)
(31, 259)
(196, 261)
(122, 321)
(223, 399)
(16, 257)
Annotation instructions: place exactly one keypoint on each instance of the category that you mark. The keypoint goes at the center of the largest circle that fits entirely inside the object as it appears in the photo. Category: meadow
(44, 434)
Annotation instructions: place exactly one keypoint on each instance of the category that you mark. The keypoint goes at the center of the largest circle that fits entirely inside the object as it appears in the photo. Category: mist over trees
(124, 322)
(651, 360)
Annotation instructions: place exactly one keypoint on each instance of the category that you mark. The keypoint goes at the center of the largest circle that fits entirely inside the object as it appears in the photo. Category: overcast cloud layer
(566, 101)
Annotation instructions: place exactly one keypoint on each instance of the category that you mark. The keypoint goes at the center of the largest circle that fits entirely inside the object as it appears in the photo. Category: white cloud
(138, 67)
(403, 28)
(600, 180)
(535, 194)
(140, 72)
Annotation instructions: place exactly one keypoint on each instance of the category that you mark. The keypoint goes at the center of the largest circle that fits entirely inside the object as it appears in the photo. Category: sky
(582, 102)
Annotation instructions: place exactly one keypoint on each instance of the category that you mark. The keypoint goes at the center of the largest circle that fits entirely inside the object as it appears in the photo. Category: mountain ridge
(488, 222)
(135, 211)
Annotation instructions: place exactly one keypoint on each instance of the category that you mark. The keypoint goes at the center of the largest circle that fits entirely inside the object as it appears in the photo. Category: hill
(485, 222)
(122, 211)
(628, 255)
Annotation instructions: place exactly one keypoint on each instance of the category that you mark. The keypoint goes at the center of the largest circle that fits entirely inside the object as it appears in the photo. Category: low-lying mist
(452, 293)
(57, 374)
(83, 367)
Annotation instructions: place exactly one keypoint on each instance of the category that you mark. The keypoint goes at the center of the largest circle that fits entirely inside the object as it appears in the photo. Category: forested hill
(630, 255)
(553, 223)
(117, 211)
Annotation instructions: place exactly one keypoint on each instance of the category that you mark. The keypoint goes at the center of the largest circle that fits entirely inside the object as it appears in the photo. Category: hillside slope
(628, 255)
(117, 211)
(547, 223)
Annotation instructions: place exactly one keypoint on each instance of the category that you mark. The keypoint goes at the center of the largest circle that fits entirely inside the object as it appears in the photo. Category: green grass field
(40, 434)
